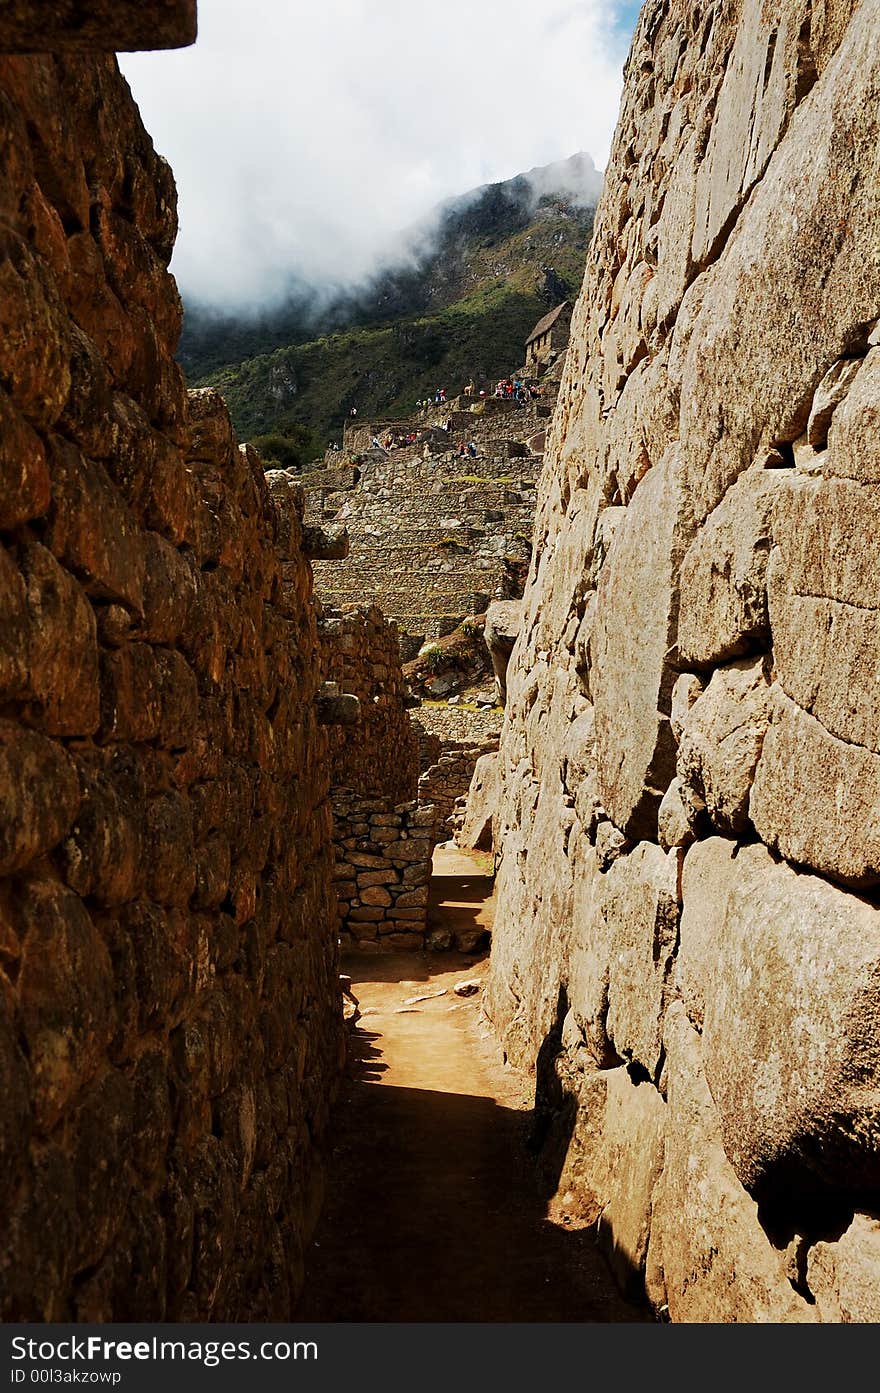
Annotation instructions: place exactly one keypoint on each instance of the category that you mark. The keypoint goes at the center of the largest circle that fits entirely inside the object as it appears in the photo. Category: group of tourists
(514, 389)
(399, 442)
(468, 449)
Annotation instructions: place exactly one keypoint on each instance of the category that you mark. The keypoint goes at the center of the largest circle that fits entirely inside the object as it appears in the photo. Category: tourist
(472, 449)
(353, 411)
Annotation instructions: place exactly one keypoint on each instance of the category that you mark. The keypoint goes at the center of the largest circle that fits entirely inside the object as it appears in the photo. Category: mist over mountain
(503, 252)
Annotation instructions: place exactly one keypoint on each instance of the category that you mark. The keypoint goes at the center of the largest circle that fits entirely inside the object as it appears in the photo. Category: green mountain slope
(502, 256)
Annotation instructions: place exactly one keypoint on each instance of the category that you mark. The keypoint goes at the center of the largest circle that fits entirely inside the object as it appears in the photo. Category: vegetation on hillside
(500, 261)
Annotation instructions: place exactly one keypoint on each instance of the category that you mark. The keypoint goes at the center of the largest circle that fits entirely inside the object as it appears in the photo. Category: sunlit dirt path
(432, 1210)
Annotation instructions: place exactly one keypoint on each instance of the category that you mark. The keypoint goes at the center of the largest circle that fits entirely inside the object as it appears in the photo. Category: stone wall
(383, 865)
(687, 935)
(169, 999)
(379, 756)
(445, 783)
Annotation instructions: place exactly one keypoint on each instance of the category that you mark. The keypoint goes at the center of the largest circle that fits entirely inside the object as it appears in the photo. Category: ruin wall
(383, 866)
(445, 783)
(379, 755)
(687, 940)
(169, 999)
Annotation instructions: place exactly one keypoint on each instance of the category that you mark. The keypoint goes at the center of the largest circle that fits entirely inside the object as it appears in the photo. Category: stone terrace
(434, 536)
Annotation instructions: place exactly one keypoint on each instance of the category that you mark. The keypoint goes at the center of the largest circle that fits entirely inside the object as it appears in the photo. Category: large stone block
(824, 605)
(792, 294)
(716, 1261)
(853, 449)
(611, 1162)
(482, 805)
(827, 529)
(625, 926)
(640, 906)
(503, 620)
(15, 1103)
(25, 488)
(724, 574)
(816, 799)
(721, 741)
(62, 649)
(93, 532)
(65, 990)
(97, 26)
(787, 967)
(708, 868)
(102, 854)
(34, 350)
(632, 1138)
(632, 652)
(39, 795)
(842, 1275)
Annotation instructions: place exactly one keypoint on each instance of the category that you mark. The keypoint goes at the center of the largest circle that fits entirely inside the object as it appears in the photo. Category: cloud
(304, 138)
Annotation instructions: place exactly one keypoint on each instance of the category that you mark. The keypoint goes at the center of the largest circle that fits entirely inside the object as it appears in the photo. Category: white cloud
(305, 137)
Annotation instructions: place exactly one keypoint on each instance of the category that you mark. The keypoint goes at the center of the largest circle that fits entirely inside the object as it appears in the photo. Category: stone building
(549, 337)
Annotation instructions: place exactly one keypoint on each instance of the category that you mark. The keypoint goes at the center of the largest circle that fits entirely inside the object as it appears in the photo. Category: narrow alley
(433, 1210)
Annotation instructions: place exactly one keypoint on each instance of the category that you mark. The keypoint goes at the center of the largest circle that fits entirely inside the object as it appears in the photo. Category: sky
(306, 137)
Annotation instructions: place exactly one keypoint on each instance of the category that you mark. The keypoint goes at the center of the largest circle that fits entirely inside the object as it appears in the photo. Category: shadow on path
(433, 1208)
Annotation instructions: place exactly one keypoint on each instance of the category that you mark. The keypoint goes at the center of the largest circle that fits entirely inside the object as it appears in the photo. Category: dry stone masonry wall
(169, 1001)
(687, 932)
(383, 840)
(383, 865)
(379, 755)
(446, 783)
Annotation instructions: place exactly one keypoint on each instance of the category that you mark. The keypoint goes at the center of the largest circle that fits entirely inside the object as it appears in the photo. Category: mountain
(471, 282)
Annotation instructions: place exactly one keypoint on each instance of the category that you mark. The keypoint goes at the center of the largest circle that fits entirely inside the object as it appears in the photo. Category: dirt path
(432, 1211)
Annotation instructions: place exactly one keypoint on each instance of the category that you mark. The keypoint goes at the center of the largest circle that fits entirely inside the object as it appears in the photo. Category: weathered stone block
(366, 914)
(639, 902)
(817, 799)
(482, 802)
(169, 851)
(787, 968)
(632, 648)
(39, 795)
(842, 1275)
(676, 817)
(707, 867)
(853, 451)
(92, 531)
(65, 993)
(25, 491)
(102, 854)
(34, 345)
(61, 650)
(411, 899)
(832, 390)
(375, 895)
(102, 26)
(715, 1258)
(724, 574)
(16, 1105)
(721, 741)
